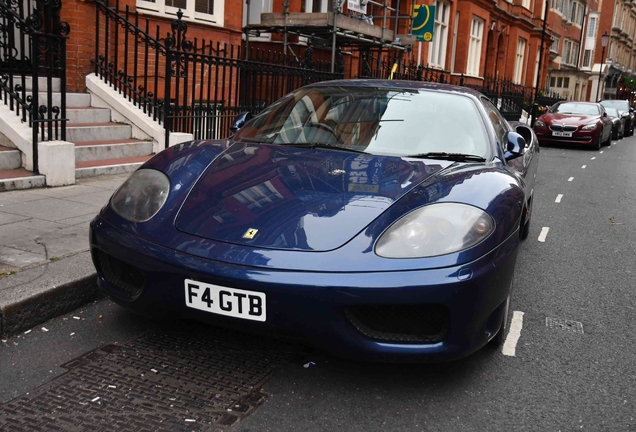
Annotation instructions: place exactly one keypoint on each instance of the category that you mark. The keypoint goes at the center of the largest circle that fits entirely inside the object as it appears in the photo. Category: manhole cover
(192, 378)
(563, 324)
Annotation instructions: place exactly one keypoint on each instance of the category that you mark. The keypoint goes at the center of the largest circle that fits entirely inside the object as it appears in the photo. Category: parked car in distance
(624, 109)
(566, 122)
(377, 219)
(618, 123)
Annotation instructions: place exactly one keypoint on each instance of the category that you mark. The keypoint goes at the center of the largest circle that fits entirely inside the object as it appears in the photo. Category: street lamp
(604, 41)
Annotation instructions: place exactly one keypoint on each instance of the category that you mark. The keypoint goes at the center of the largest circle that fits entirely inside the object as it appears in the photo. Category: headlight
(436, 229)
(589, 127)
(539, 123)
(141, 196)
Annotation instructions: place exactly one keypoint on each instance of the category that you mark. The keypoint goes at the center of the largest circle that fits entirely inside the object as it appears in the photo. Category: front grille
(560, 128)
(130, 280)
(400, 323)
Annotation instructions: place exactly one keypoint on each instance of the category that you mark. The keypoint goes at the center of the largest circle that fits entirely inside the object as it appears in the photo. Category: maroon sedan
(584, 123)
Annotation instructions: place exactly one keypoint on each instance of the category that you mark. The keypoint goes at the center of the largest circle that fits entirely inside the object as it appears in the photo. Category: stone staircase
(101, 146)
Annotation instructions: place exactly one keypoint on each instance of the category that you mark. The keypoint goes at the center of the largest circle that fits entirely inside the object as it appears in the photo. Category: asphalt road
(575, 272)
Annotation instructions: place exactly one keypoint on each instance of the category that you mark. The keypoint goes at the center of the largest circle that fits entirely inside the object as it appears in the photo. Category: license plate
(562, 134)
(222, 300)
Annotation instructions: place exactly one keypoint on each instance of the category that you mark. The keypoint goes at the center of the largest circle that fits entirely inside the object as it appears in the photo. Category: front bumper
(314, 305)
(578, 137)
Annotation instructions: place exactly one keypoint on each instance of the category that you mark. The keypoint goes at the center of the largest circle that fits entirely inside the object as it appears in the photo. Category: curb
(34, 296)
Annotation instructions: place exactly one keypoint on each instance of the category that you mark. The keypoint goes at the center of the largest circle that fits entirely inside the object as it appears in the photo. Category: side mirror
(515, 146)
(240, 121)
(604, 114)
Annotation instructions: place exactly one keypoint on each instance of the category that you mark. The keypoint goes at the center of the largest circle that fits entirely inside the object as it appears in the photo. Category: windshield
(612, 112)
(575, 108)
(616, 103)
(385, 121)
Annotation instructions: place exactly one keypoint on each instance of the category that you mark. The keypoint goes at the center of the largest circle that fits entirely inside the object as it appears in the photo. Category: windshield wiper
(315, 145)
(449, 156)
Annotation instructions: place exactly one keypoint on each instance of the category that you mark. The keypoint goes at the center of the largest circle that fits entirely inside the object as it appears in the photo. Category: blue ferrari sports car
(376, 219)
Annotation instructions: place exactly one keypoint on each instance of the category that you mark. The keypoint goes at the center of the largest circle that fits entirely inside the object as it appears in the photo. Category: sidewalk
(45, 265)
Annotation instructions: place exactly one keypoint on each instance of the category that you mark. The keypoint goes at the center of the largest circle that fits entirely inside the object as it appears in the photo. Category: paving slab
(24, 235)
(51, 209)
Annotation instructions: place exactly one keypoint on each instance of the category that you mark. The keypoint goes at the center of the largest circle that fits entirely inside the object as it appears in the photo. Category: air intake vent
(401, 323)
(130, 280)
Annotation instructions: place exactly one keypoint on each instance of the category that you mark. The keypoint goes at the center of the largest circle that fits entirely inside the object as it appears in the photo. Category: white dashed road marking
(601, 152)
(593, 158)
(583, 166)
(571, 178)
(543, 234)
(510, 345)
(558, 198)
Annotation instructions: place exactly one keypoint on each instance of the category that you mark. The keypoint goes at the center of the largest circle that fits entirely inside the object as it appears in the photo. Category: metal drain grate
(194, 378)
(563, 324)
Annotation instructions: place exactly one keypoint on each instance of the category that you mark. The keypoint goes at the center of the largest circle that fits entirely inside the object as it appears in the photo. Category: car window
(389, 121)
(498, 122)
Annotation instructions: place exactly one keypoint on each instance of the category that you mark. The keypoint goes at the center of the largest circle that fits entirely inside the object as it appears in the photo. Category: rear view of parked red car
(585, 123)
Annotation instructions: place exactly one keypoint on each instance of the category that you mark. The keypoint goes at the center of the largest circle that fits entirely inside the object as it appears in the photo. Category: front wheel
(597, 143)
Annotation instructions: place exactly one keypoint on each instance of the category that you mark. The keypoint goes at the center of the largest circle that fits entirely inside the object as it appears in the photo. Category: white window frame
(437, 53)
(565, 55)
(323, 5)
(591, 26)
(519, 61)
(525, 4)
(474, 46)
(263, 6)
(159, 7)
(555, 45)
(587, 55)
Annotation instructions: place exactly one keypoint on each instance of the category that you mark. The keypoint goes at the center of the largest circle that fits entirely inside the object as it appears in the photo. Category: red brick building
(476, 38)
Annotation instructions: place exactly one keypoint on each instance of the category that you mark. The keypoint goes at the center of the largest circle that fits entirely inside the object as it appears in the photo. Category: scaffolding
(335, 29)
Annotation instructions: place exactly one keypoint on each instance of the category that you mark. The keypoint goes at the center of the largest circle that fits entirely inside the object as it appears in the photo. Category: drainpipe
(536, 85)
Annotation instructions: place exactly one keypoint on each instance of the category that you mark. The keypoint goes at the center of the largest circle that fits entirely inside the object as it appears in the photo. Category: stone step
(43, 84)
(108, 166)
(72, 99)
(111, 149)
(19, 179)
(10, 158)
(80, 132)
(88, 115)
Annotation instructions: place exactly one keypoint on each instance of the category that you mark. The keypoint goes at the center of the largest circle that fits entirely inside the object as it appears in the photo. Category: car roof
(400, 84)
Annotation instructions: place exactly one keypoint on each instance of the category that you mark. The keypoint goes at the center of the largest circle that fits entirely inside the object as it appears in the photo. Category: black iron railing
(195, 86)
(32, 46)
(510, 98)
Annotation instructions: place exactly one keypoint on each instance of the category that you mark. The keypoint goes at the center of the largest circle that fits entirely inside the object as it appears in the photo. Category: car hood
(569, 119)
(281, 197)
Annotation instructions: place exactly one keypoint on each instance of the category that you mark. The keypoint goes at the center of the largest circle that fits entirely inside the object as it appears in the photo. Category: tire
(597, 144)
(608, 142)
(500, 337)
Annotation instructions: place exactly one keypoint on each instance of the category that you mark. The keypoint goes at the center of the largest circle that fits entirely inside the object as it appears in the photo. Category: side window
(499, 123)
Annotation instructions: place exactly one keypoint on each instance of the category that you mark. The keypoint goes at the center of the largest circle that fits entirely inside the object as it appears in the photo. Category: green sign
(423, 22)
